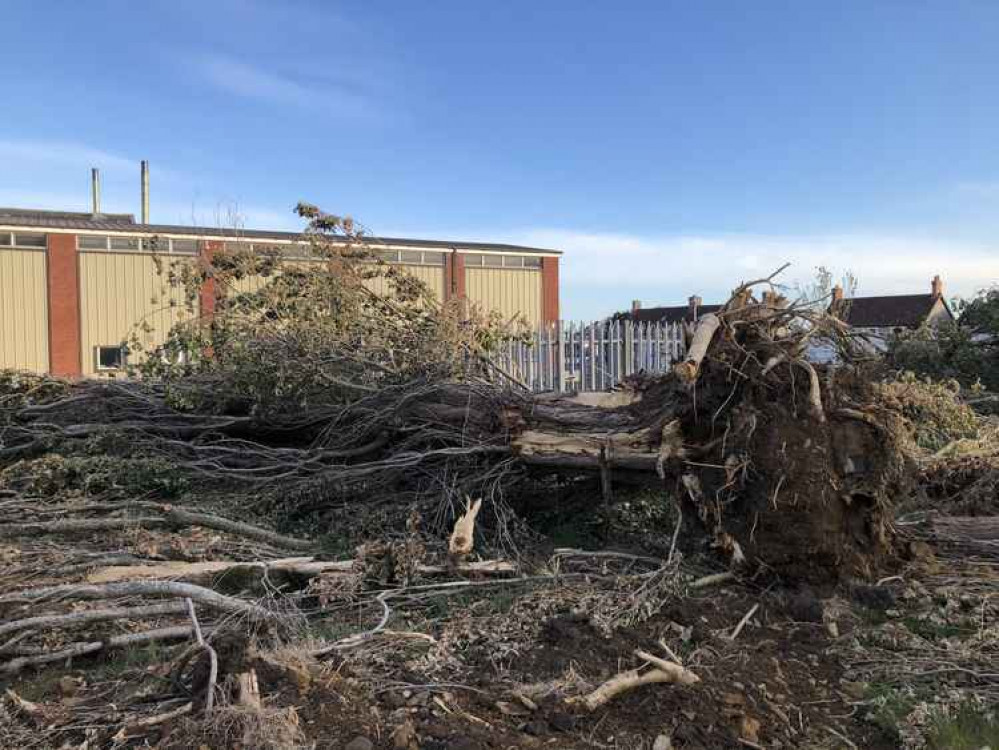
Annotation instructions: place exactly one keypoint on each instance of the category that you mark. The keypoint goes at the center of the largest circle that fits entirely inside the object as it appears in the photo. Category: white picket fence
(578, 356)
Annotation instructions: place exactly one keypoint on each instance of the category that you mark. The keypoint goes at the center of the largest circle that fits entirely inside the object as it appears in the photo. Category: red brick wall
(455, 280)
(549, 290)
(63, 281)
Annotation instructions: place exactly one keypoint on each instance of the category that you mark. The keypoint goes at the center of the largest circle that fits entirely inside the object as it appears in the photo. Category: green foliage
(982, 313)
(19, 389)
(934, 410)
(967, 352)
(54, 475)
(887, 706)
(295, 329)
(970, 727)
(946, 352)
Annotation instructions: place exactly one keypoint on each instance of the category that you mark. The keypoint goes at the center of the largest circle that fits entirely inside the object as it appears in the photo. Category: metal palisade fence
(578, 356)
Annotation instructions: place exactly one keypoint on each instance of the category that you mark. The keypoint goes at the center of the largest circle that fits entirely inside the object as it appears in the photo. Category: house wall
(24, 323)
(508, 291)
(60, 302)
(122, 293)
(432, 276)
(939, 314)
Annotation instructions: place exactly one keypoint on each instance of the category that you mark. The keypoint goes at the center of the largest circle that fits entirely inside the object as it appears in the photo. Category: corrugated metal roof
(40, 220)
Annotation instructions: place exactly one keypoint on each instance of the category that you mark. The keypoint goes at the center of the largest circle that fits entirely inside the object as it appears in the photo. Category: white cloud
(61, 154)
(601, 273)
(241, 79)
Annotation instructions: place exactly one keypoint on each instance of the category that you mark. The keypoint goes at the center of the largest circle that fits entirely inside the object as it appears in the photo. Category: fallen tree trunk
(299, 567)
(202, 595)
(793, 467)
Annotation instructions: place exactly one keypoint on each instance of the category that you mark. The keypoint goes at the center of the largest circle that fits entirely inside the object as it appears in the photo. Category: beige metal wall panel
(24, 324)
(508, 291)
(119, 291)
(432, 276)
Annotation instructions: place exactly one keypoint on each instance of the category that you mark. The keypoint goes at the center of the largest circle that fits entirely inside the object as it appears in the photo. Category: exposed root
(662, 672)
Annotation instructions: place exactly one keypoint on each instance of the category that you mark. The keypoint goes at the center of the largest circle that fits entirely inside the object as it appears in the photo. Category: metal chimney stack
(145, 191)
(95, 190)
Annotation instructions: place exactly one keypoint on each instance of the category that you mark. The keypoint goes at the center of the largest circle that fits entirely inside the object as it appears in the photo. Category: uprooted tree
(320, 396)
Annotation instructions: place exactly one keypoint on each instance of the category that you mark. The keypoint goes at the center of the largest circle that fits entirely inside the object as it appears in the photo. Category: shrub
(934, 409)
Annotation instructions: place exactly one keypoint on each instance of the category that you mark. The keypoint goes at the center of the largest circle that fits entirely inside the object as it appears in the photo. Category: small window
(92, 242)
(110, 357)
(473, 259)
(532, 262)
(412, 256)
(29, 240)
(155, 244)
(494, 261)
(431, 258)
(389, 256)
(187, 247)
(6, 239)
(125, 243)
(513, 261)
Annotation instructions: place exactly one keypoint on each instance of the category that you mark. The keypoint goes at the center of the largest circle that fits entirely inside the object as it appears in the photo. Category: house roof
(87, 222)
(902, 310)
(675, 314)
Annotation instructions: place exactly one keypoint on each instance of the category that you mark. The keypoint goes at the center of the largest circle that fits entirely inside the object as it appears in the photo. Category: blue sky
(666, 147)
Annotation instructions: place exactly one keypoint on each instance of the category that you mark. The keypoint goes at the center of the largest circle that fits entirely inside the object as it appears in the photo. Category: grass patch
(887, 707)
(971, 727)
(934, 631)
(115, 663)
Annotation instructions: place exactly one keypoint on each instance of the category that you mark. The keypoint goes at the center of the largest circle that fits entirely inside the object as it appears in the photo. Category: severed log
(626, 450)
(463, 535)
(202, 595)
(662, 672)
(707, 326)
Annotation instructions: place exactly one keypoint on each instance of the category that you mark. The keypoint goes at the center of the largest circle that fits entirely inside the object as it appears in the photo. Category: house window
(186, 247)
(532, 262)
(493, 261)
(432, 258)
(6, 239)
(110, 357)
(29, 240)
(125, 243)
(92, 242)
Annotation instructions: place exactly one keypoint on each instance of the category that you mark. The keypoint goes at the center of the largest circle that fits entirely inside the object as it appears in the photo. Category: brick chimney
(837, 293)
(693, 303)
(936, 287)
(636, 305)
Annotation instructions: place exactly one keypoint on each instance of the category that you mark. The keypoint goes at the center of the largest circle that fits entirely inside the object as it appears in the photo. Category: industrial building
(74, 286)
